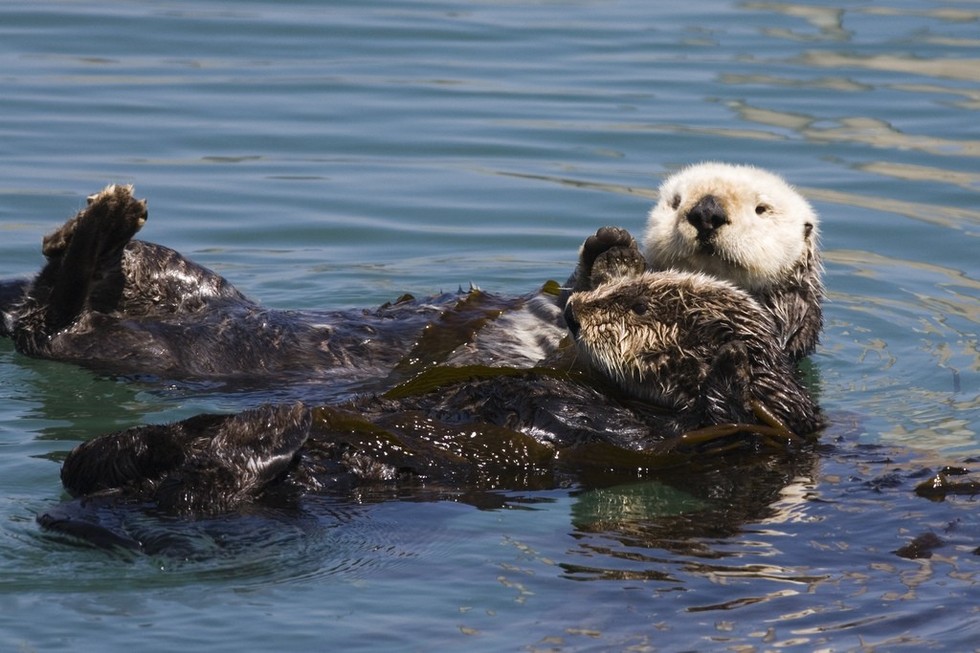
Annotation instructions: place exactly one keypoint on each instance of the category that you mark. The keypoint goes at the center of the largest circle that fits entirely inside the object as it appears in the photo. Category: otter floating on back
(701, 355)
(748, 226)
(125, 306)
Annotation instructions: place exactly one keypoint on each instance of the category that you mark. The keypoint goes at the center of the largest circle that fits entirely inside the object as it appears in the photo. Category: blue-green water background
(327, 155)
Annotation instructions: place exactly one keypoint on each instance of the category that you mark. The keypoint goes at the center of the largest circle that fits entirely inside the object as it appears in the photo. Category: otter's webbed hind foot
(86, 254)
(201, 465)
(84, 267)
(113, 211)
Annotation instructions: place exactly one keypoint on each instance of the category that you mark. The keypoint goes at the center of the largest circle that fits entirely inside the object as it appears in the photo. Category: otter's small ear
(807, 230)
(675, 201)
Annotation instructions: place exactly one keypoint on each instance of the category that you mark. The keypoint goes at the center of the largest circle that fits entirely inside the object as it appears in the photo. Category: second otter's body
(124, 306)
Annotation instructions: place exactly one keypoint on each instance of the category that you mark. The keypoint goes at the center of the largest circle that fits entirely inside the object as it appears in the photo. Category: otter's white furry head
(736, 222)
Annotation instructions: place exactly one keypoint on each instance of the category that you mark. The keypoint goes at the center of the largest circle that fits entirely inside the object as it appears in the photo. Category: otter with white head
(749, 227)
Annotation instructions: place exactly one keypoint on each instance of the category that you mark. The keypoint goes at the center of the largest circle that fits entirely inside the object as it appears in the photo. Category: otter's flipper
(247, 452)
(85, 256)
(84, 268)
(86, 520)
(126, 459)
(205, 464)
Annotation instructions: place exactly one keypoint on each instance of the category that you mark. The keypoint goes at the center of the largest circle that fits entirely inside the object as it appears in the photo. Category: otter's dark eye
(675, 201)
(762, 209)
(639, 308)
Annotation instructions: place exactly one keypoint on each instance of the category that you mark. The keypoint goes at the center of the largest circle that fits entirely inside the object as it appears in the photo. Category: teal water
(327, 155)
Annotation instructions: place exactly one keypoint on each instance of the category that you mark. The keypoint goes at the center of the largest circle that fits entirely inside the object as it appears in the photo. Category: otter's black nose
(573, 325)
(707, 215)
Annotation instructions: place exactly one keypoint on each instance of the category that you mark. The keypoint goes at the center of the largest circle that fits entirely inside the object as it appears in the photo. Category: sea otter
(747, 226)
(125, 306)
(665, 363)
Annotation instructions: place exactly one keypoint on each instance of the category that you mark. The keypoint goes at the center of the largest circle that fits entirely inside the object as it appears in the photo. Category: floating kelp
(940, 485)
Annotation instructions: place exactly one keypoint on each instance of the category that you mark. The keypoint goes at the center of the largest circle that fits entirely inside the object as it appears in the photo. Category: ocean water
(329, 155)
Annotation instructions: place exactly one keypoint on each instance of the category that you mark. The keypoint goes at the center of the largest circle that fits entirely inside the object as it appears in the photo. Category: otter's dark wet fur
(141, 308)
(269, 458)
(669, 340)
(125, 306)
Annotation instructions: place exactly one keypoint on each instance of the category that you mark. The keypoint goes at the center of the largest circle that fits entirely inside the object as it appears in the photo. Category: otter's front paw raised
(616, 263)
(611, 253)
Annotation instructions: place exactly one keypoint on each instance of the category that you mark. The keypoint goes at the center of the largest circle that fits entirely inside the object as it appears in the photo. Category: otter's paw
(726, 391)
(604, 239)
(616, 263)
(612, 252)
(112, 218)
